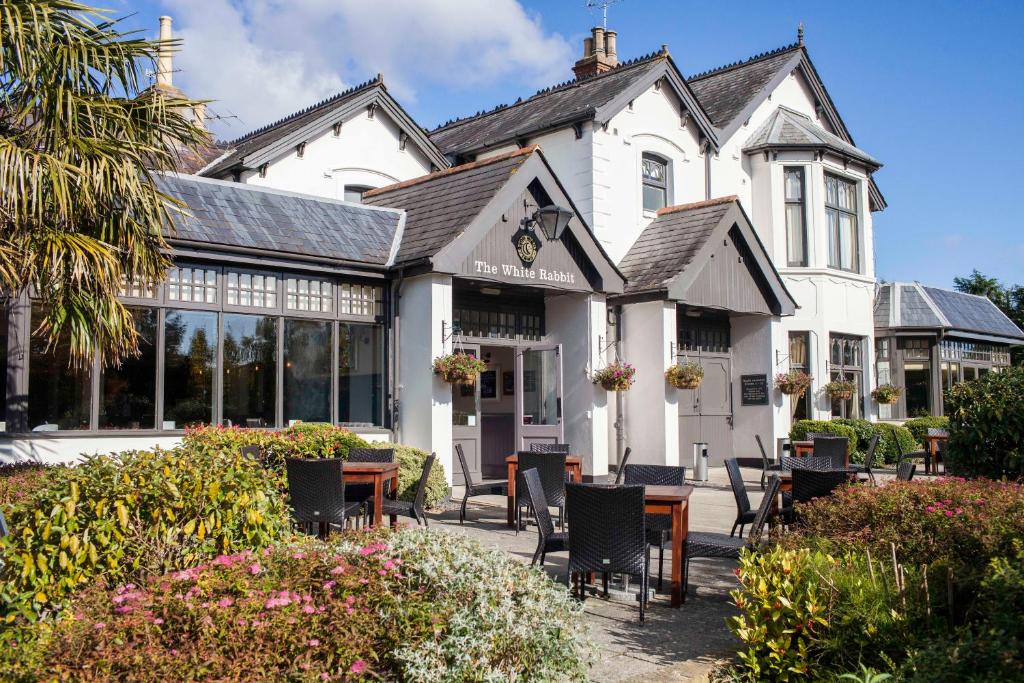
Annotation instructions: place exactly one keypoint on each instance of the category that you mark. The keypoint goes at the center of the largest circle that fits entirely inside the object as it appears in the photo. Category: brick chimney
(599, 53)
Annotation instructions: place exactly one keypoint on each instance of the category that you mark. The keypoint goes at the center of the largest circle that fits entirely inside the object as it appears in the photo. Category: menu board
(754, 390)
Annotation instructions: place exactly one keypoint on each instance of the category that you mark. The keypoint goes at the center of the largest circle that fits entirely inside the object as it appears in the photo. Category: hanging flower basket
(887, 394)
(840, 389)
(617, 376)
(793, 383)
(685, 375)
(458, 368)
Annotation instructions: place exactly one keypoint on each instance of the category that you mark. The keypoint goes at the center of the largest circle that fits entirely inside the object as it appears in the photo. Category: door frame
(541, 433)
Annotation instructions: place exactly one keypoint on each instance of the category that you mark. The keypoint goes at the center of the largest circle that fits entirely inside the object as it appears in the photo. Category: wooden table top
(667, 494)
(808, 442)
(369, 467)
(569, 459)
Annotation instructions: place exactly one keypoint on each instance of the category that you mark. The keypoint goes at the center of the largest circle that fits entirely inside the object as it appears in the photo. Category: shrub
(801, 428)
(986, 425)
(919, 426)
(18, 481)
(410, 461)
(120, 516)
(409, 606)
(302, 440)
(894, 442)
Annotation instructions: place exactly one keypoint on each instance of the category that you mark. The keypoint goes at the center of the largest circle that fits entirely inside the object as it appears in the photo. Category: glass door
(539, 395)
(466, 423)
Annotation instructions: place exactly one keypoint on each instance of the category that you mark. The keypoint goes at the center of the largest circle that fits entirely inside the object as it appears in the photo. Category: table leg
(394, 496)
(378, 498)
(680, 518)
(511, 494)
(577, 473)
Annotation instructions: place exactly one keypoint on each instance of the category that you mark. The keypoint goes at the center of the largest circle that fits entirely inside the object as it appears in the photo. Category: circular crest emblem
(527, 247)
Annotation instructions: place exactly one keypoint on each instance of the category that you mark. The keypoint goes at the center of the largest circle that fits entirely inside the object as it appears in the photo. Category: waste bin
(700, 461)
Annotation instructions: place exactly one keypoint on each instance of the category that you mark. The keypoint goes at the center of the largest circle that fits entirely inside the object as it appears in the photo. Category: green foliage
(986, 425)
(919, 427)
(19, 481)
(407, 606)
(894, 442)
(685, 375)
(121, 516)
(410, 463)
(801, 428)
(458, 368)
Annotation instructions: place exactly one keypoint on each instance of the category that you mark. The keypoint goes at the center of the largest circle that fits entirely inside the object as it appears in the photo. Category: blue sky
(933, 89)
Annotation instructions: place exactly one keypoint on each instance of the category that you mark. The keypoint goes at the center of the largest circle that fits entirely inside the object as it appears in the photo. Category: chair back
(551, 468)
(549, 448)
(655, 475)
(625, 460)
(937, 431)
(905, 471)
(739, 489)
(764, 454)
(371, 455)
(765, 508)
(421, 487)
(465, 468)
(607, 533)
(810, 484)
(316, 490)
(869, 457)
(836, 448)
(252, 451)
(807, 462)
(3, 526)
(535, 494)
(811, 436)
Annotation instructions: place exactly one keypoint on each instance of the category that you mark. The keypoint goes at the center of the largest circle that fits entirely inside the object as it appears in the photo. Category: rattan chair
(483, 488)
(409, 508)
(659, 527)
(806, 462)
(836, 448)
(607, 535)
(549, 448)
(360, 493)
(702, 544)
(316, 492)
(766, 465)
(905, 471)
(811, 484)
(549, 540)
(551, 468)
(622, 465)
(744, 515)
(869, 460)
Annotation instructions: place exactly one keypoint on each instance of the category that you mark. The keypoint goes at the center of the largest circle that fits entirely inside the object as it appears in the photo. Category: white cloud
(263, 59)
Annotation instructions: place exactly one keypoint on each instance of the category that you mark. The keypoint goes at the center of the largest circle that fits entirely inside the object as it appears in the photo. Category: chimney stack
(599, 53)
(164, 61)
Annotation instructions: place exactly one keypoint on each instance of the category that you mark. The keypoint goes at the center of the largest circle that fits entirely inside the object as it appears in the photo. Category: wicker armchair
(549, 541)
(622, 465)
(836, 448)
(905, 471)
(316, 492)
(549, 448)
(744, 515)
(483, 488)
(810, 484)
(413, 508)
(659, 527)
(363, 492)
(869, 460)
(551, 468)
(807, 462)
(608, 534)
(766, 465)
(701, 544)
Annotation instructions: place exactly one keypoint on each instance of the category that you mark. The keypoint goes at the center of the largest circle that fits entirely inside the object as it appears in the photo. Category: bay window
(843, 228)
(796, 224)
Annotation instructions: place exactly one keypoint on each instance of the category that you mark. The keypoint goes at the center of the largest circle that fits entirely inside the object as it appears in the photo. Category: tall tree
(81, 137)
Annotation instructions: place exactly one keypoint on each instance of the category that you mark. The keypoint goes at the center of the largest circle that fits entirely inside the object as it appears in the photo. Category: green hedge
(986, 425)
(410, 461)
(919, 426)
(893, 440)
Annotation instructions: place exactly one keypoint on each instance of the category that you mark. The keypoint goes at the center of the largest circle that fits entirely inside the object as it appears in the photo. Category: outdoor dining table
(674, 501)
(573, 465)
(374, 473)
(802, 448)
(932, 443)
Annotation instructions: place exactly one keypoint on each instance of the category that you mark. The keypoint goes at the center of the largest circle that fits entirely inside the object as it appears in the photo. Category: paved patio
(673, 644)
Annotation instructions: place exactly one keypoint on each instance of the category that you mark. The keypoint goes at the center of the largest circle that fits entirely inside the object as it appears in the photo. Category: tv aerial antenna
(603, 5)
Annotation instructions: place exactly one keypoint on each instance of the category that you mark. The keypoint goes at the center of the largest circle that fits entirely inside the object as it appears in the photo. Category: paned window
(654, 178)
(190, 361)
(696, 334)
(843, 231)
(361, 373)
(250, 370)
(198, 285)
(59, 392)
(248, 289)
(359, 299)
(798, 360)
(136, 289)
(315, 296)
(307, 371)
(796, 227)
(128, 390)
(846, 363)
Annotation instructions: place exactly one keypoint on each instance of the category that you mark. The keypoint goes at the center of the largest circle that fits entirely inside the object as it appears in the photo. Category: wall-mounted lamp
(552, 220)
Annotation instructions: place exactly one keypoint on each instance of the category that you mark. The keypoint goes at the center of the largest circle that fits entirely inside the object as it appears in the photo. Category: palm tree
(80, 140)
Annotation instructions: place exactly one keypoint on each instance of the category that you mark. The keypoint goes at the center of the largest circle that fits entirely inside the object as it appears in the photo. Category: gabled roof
(595, 98)
(226, 214)
(671, 252)
(261, 145)
(788, 129)
(903, 306)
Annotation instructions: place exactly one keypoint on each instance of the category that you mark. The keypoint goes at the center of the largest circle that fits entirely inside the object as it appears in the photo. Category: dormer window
(654, 178)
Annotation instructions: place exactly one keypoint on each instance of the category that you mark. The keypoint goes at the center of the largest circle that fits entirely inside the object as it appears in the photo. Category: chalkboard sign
(754, 390)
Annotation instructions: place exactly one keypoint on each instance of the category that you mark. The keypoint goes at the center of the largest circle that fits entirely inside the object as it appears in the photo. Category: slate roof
(901, 305)
(234, 214)
(441, 205)
(574, 100)
(668, 245)
(786, 128)
(726, 91)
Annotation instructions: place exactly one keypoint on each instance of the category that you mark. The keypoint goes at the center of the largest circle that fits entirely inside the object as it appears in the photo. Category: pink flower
(309, 609)
(255, 569)
(337, 570)
(298, 556)
(329, 585)
(358, 666)
(930, 508)
(949, 513)
(158, 621)
(325, 677)
(389, 565)
(123, 609)
(99, 625)
(367, 550)
(225, 602)
(174, 652)
(382, 572)
(351, 599)
(313, 642)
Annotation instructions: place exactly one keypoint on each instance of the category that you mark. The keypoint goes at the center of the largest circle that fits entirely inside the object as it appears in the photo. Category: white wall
(753, 354)
(651, 411)
(365, 153)
(425, 409)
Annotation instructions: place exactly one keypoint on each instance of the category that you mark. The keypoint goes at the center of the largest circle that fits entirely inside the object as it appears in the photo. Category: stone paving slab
(673, 644)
